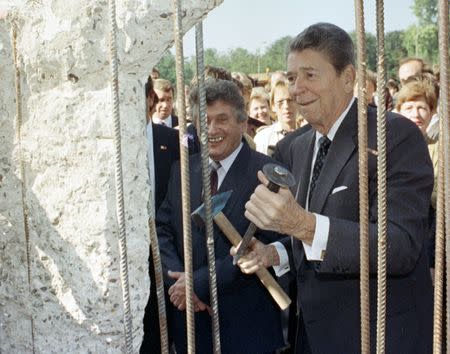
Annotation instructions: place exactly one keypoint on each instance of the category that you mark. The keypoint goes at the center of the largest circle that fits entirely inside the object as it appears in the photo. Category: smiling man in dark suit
(321, 213)
(249, 318)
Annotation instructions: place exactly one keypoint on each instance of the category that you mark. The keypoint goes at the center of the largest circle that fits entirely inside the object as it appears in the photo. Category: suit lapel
(196, 184)
(235, 173)
(302, 174)
(341, 149)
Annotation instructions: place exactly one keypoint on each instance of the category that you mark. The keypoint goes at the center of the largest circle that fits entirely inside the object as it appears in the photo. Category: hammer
(278, 176)
(218, 203)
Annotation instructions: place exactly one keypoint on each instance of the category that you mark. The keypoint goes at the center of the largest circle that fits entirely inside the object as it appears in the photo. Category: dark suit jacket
(281, 152)
(174, 121)
(166, 150)
(328, 294)
(249, 318)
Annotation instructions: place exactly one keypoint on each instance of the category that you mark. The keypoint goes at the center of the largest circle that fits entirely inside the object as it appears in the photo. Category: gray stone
(75, 294)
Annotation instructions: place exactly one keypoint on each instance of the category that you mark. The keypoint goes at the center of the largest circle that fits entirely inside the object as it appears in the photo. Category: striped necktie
(320, 159)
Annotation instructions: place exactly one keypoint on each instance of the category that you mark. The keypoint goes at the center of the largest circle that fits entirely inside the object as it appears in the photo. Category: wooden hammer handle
(275, 290)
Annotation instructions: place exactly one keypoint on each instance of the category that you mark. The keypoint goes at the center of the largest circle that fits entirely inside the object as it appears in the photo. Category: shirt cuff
(283, 267)
(316, 251)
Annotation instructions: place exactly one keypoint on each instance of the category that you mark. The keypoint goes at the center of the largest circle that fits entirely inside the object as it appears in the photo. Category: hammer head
(218, 202)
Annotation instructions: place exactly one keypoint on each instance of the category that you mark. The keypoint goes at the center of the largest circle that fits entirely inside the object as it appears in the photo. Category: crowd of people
(304, 118)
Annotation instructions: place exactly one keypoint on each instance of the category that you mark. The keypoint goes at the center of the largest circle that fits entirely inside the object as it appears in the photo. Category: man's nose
(211, 128)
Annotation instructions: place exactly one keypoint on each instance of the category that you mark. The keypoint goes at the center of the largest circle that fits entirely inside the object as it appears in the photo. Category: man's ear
(348, 76)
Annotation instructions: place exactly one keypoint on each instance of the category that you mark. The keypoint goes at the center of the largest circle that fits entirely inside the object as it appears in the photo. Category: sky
(255, 24)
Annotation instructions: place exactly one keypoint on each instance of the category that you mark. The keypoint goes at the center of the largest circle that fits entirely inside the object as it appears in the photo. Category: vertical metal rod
(120, 205)
(184, 162)
(381, 183)
(444, 135)
(203, 129)
(363, 179)
(159, 283)
(18, 131)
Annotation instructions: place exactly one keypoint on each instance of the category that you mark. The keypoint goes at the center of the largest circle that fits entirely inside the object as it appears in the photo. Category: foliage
(418, 40)
(275, 56)
(422, 41)
(426, 11)
(167, 69)
(394, 50)
(371, 49)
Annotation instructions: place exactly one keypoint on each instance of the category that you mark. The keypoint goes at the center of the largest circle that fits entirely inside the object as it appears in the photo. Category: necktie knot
(214, 165)
(324, 145)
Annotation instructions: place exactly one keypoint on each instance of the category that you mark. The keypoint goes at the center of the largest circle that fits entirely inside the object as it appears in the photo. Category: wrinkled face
(418, 111)
(409, 69)
(321, 93)
(224, 130)
(284, 106)
(164, 106)
(259, 109)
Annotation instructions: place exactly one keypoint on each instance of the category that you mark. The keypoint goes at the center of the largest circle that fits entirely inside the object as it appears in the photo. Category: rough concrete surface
(68, 189)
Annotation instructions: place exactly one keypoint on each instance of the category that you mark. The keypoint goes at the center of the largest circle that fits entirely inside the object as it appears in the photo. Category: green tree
(240, 59)
(422, 41)
(371, 49)
(394, 51)
(426, 11)
(274, 57)
(167, 68)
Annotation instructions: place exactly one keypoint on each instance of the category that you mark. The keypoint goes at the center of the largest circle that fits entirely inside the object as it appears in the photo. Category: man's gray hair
(219, 90)
(329, 39)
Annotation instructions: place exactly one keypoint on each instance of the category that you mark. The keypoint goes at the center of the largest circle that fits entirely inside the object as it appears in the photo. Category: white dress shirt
(151, 166)
(316, 250)
(225, 165)
(167, 122)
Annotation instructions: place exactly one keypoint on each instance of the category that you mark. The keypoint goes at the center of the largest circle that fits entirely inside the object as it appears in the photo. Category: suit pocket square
(338, 189)
(163, 147)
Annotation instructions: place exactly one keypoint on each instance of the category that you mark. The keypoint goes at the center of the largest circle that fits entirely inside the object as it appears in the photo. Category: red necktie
(213, 178)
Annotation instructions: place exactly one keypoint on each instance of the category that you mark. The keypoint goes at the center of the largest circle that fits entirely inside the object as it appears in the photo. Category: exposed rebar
(120, 205)
(207, 187)
(185, 192)
(23, 177)
(381, 184)
(363, 179)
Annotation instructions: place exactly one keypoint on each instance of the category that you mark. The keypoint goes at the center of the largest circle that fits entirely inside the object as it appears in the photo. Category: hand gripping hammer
(218, 203)
(278, 176)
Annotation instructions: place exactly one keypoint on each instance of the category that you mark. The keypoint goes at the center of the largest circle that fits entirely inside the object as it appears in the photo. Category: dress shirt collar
(167, 121)
(336, 125)
(226, 163)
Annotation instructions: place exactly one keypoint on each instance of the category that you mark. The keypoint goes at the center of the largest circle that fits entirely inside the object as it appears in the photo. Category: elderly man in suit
(249, 319)
(321, 213)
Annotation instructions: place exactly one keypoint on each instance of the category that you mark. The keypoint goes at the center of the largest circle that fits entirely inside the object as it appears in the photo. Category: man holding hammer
(321, 213)
(249, 318)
